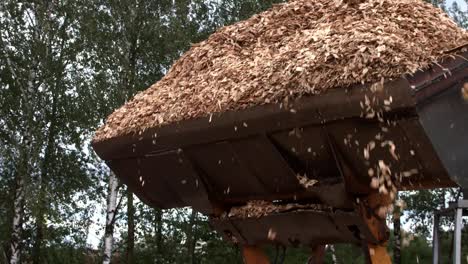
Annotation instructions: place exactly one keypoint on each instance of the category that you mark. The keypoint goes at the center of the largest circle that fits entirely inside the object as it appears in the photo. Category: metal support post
(457, 236)
(435, 239)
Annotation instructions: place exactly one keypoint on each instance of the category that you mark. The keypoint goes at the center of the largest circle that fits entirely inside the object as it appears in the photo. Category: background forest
(64, 67)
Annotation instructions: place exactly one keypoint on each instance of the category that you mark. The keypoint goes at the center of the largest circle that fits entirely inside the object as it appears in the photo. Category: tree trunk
(130, 227)
(42, 182)
(36, 254)
(22, 167)
(15, 248)
(18, 203)
(158, 225)
(110, 218)
(397, 235)
(333, 254)
(191, 240)
(4, 255)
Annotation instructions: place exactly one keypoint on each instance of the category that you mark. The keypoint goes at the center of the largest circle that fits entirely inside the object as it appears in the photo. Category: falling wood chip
(465, 91)
(306, 182)
(271, 234)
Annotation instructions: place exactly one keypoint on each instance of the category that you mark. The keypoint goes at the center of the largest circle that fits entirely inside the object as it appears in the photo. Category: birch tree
(333, 254)
(111, 213)
(130, 52)
(397, 232)
(24, 80)
(44, 132)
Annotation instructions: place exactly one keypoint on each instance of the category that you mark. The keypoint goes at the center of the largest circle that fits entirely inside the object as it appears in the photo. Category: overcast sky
(461, 4)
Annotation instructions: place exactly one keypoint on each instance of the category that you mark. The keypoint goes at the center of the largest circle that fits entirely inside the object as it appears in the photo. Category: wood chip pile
(298, 48)
(257, 209)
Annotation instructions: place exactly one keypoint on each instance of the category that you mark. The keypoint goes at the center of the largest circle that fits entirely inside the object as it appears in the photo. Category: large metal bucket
(228, 159)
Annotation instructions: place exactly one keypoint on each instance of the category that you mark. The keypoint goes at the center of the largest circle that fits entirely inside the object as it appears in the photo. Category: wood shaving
(391, 147)
(465, 91)
(271, 234)
(306, 182)
(293, 49)
(410, 173)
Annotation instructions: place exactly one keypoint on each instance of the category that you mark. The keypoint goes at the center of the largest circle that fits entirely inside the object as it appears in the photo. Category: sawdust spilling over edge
(298, 48)
(257, 209)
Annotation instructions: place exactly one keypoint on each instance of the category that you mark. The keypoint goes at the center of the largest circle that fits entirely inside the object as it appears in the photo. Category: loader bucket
(416, 125)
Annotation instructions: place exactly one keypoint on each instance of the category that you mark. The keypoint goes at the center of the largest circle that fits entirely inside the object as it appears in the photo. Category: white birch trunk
(333, 255)
(17, 222)
(27, 89)
(22, 167)
(110, 218)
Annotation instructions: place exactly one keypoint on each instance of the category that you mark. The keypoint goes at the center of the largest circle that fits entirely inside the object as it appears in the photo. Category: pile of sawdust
(299, 48)
(257, 209)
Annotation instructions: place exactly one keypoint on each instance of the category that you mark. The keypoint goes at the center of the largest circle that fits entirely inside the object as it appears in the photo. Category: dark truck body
(228, 159)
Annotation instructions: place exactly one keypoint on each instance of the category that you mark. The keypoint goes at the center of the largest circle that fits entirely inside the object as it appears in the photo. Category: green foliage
(43, 128)
(418, 251)
(422, 204)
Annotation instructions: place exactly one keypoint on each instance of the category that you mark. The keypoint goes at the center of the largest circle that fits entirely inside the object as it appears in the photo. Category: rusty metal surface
(433, 174)
(289, 229)
(445, 119)
(164, 180)
(257, 153)
(336, 104)
(414, 151)
(441, 130)
(307, 151)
